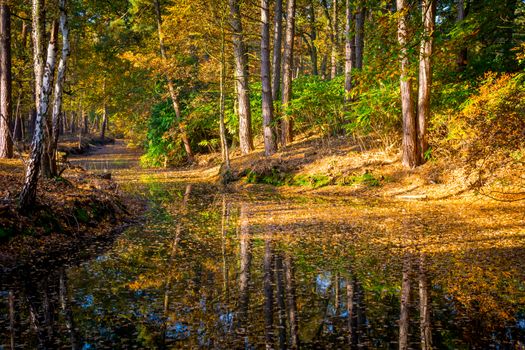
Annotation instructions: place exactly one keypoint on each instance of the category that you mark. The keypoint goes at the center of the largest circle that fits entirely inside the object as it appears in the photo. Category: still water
(224, 271)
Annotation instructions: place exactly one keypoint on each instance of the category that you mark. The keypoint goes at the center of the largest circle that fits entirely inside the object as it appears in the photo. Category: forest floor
(74, 209)
(345, 166)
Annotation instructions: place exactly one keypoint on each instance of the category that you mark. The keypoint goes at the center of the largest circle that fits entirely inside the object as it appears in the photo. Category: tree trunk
(104, 122)
(267, 102)
(349, 51)
(59, 86)
(359, 37)
(335, 40)
(222, 126)
(28, 194)
(425, 76)
(6, 140)
(410, 158)
(286, 123)
(277, 45)
(241, 79)
(313, 38)
(38, 36)
(173, 93)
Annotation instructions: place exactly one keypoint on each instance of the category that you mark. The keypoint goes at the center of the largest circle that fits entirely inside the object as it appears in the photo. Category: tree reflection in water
(223, 272)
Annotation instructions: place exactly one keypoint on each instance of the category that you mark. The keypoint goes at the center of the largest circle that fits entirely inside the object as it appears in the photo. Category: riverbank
(73, 210)
(362, 168)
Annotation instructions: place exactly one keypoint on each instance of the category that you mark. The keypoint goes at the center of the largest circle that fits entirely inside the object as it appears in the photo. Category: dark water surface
(221, 271)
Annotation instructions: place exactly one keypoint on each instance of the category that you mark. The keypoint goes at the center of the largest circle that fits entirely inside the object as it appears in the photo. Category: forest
(218, 166)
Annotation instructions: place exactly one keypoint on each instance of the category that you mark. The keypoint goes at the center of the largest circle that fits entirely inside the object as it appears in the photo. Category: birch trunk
(241, 79)
(349, 50)
(59, 84)
(277, 46)
(6, 140)
(28, 194)
(171, 88)
(267, 102)
(38, 37)
(410, 158)
(425, 76)
(286, 122)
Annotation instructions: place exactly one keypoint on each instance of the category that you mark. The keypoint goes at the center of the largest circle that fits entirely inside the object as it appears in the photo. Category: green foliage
(367, 179)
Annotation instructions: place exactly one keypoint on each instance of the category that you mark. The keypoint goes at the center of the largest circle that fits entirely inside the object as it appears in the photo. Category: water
(225, 271)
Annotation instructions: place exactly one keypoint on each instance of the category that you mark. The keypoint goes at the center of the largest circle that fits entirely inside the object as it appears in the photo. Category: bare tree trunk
(59, 85)
(173, 93)
(6, 140)
(425, 76)
(349, 50)
(104, 121)
(38, 36)
(410, 158)
(267, 102)
(222, 126)
(404, 317)
(241, 79)
(277, 45)
(28, 194)
(286, 123)
(335, 40)
(359, 37)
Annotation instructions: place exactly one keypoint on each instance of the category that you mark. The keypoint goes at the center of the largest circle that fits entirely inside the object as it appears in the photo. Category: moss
(82, 215)
(367, 179)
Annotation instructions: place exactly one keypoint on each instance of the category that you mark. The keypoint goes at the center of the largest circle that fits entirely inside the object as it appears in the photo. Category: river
(216, 270)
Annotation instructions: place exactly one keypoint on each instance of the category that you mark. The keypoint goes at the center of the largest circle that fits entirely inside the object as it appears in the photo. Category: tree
(173, 93)
(267, 102)
(241, 78)
(428, 8)
(6, 141)
(360, 35)
(277, 45)
(286, 122)
(349, 50)
(335, 40)
(28, 194)
(59, 85)
(410, 157)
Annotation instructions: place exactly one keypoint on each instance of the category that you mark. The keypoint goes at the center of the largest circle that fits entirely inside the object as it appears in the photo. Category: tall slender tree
(277, 46)
(171, 87)
(6, 141)
(28, 194)
(241, 79)
(349, 49)
(360, 35)
(267, 102)
(59, 84)
(410, 157)
(286, 122)
(335, 40)
(428, 8)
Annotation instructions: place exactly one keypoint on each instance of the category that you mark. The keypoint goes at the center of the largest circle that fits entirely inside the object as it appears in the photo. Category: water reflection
(226, 272)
